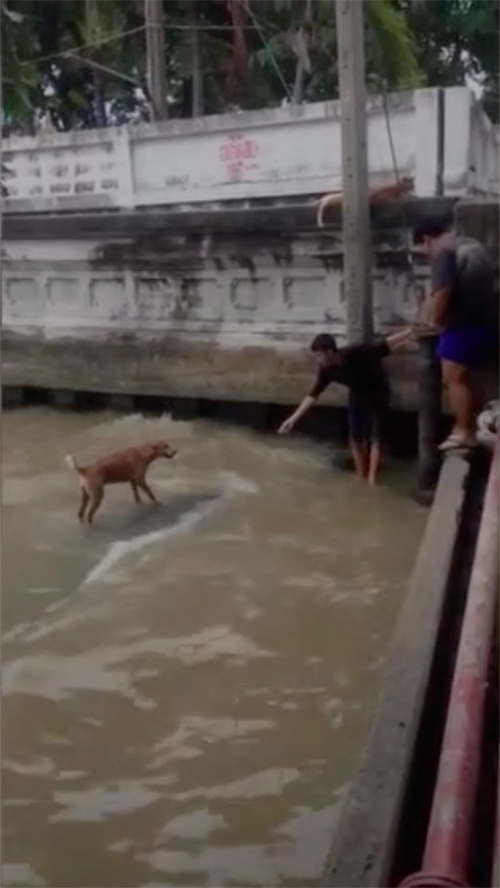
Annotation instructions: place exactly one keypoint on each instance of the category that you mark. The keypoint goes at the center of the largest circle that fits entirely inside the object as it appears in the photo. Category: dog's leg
(97, 496)
(83, 504)
(144, 485)
(135, 491)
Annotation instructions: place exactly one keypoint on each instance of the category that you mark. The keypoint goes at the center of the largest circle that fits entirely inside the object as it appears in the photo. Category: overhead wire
(121, 34)
(92, 45)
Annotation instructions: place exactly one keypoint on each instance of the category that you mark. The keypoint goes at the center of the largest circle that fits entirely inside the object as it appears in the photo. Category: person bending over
(359, 367)
(462, 307)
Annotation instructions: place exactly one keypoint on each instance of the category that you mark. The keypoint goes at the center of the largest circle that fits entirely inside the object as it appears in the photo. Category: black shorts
(366, 416)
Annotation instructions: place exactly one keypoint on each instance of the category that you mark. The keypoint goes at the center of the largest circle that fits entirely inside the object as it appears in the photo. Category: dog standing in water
(121, 467)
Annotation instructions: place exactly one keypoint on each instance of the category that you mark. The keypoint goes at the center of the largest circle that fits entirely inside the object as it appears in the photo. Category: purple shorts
(469, 347)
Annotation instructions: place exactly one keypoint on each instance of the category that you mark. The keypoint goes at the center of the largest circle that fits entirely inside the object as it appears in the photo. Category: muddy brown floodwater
(186, 688)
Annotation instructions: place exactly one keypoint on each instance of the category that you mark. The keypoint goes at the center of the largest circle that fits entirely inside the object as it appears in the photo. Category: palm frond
(390, 47)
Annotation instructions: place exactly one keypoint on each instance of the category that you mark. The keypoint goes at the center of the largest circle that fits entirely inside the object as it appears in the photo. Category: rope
(171, 26)
(389, 134)
(421, 329)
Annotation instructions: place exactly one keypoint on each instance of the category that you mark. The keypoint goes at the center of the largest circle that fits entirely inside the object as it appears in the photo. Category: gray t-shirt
(463, 266)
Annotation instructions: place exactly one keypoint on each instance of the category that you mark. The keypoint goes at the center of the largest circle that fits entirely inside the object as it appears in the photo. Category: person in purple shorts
(462, 305)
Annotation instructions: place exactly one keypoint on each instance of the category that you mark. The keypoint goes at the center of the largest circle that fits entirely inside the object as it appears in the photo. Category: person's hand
(421, 330)
(286, 427)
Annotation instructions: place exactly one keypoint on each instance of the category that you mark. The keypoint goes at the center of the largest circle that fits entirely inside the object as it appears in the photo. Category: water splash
(231, 483)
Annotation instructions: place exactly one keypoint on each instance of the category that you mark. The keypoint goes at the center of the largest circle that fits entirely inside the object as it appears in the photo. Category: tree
(66, 84)
(94, 35)
(19, 75)
(391, 48)
(280, 50)
(456, 39)
(303, 42)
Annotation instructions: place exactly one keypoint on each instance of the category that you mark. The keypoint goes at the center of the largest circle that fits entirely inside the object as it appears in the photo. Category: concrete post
(156, 62)
(92, 24)
(356, 211)
(440, 142)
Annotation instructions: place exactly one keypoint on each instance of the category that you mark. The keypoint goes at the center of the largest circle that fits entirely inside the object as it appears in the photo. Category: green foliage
(19, 76)
(455, 39)
(390, 53)
(391, 59)
(408, 43)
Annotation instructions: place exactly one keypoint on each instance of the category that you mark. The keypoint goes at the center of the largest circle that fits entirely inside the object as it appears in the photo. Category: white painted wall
(68, 171)
(278, 152)
(291, 151)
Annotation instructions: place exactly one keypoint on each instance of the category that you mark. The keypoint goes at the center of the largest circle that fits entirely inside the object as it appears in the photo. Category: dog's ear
(159, 448)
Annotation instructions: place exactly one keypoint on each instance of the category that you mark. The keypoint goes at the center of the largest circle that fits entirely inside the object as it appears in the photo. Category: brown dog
(124, 466)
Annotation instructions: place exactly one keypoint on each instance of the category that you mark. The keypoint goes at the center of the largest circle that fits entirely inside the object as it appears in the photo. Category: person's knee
(455, 374)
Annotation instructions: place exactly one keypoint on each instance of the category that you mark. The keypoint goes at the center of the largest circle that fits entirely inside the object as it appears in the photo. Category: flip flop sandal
(453, 443)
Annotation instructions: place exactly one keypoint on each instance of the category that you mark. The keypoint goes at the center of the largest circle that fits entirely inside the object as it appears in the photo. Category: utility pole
(196, 74)
(302, 42)
(356, 210)
(91, 28)
(156, 63)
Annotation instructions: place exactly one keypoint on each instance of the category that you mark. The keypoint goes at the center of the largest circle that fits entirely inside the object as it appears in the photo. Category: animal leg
(135, 491)
(97, 496)
(83, 504)
(144, 486)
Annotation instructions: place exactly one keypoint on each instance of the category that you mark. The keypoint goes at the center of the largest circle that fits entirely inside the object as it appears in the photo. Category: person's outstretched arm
(301, 410)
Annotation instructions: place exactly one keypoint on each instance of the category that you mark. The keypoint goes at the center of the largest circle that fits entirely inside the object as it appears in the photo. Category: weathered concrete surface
(276, 152)
(365, 842)
(286, 216)
(180, 304)
(212, 303)
(177, 367)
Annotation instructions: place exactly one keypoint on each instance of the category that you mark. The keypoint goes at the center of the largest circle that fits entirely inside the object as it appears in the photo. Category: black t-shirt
(360, 369)
(462, 266)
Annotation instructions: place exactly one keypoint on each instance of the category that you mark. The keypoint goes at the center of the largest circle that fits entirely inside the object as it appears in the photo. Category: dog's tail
(324, 203)
(71, 462)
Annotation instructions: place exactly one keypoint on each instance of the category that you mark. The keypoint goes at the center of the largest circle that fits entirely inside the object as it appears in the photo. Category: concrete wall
(200, 313)
(484, 152)
(173, 284)
(263, 154)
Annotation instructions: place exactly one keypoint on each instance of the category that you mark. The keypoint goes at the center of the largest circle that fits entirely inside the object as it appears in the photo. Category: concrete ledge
(181, 366)
(64, 399)
(365, 842)
(12, 396)
(278, 215)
